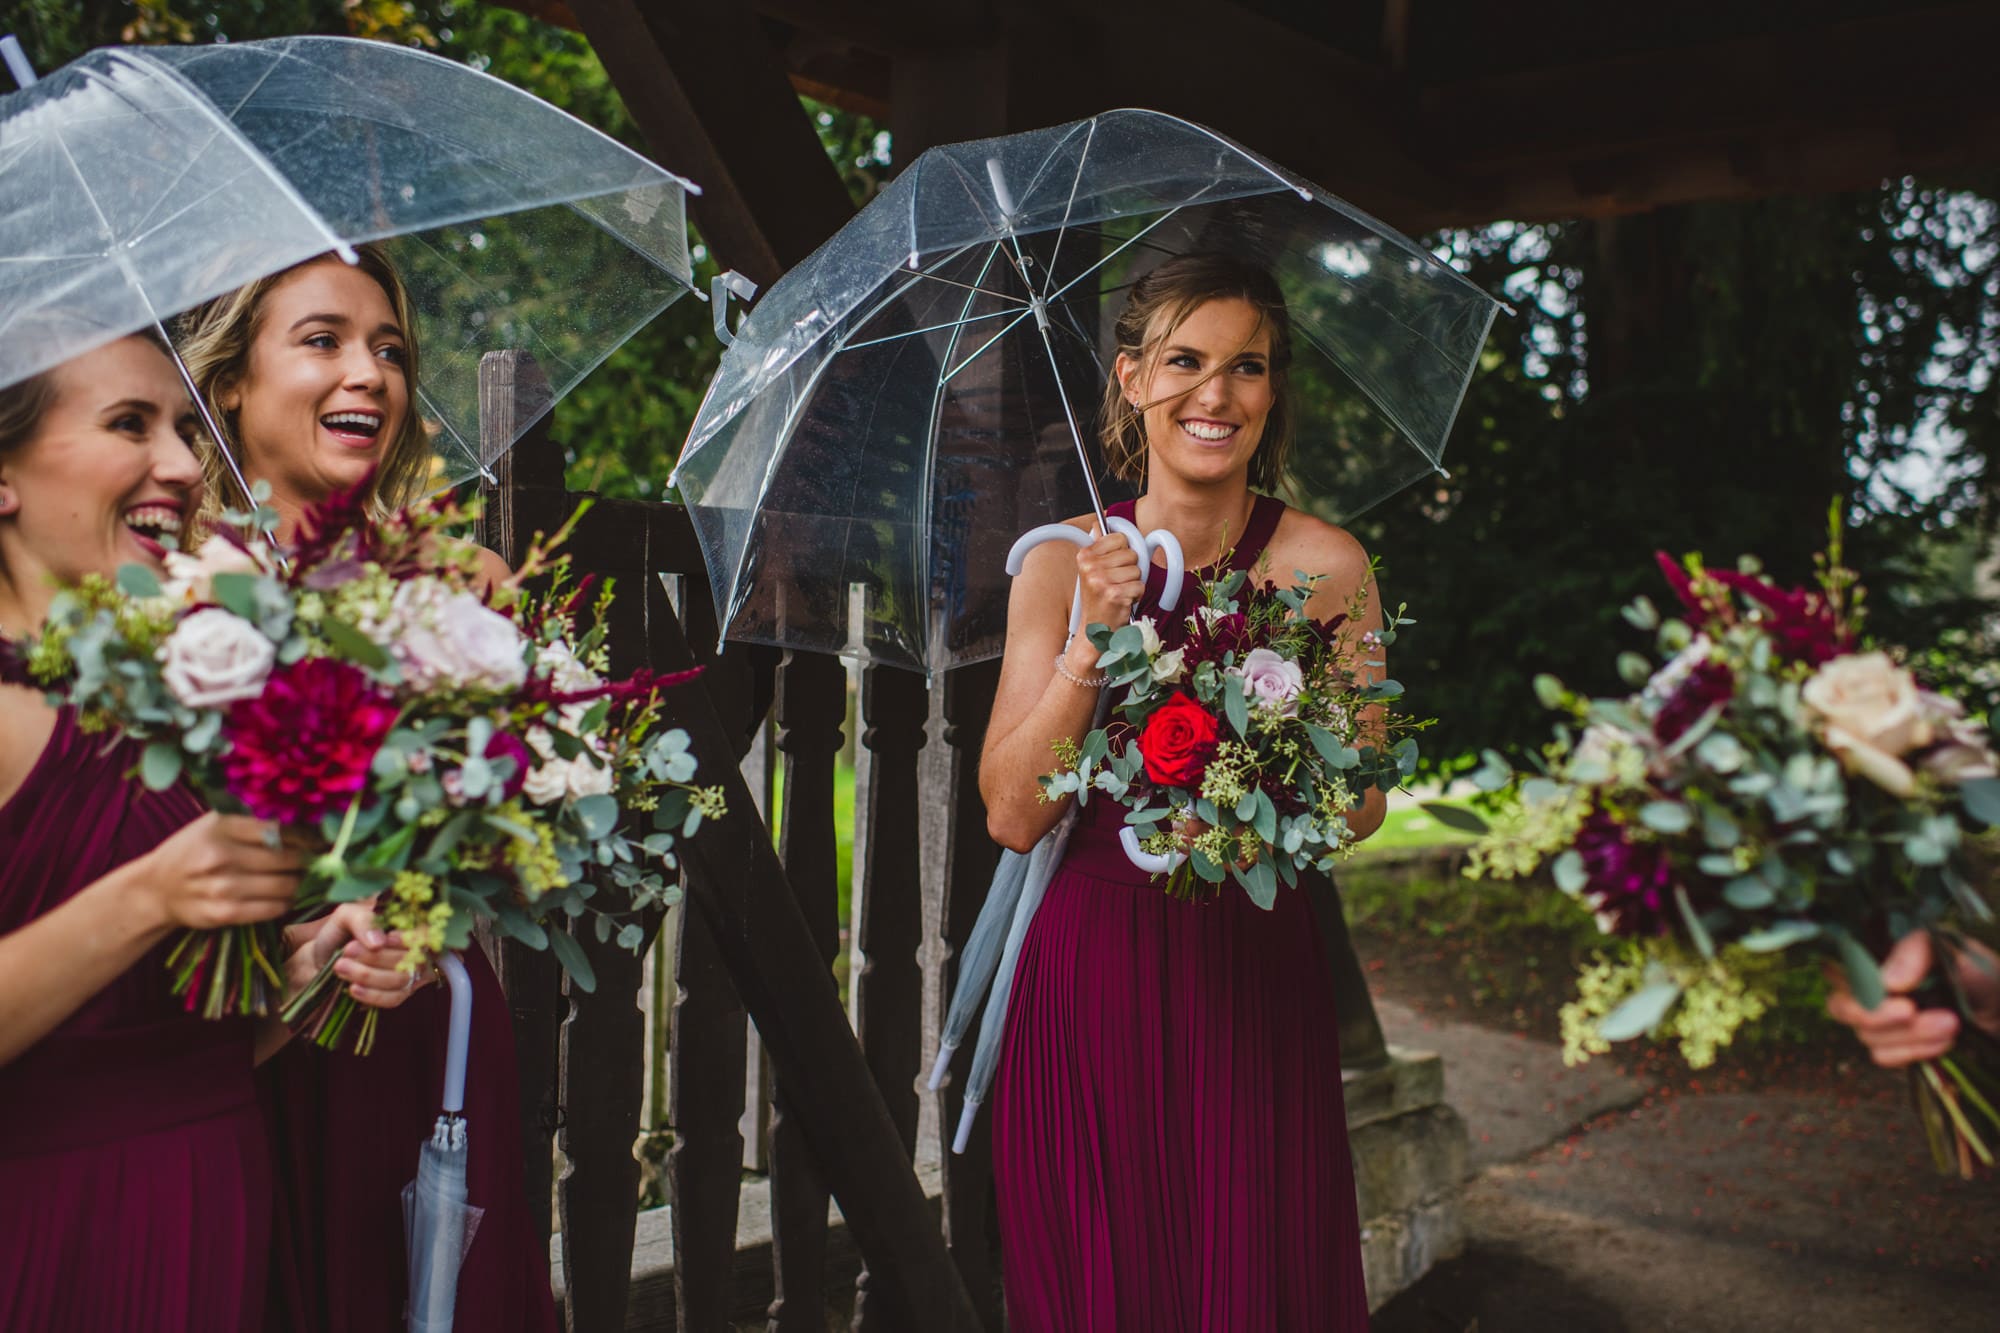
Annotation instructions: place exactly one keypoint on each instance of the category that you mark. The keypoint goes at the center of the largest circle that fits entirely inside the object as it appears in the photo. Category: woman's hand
(1112, 581)
(1896, 1032)
(220, 870)
(369, 957)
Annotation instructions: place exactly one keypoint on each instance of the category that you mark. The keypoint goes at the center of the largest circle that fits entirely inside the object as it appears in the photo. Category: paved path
(1595, 1205)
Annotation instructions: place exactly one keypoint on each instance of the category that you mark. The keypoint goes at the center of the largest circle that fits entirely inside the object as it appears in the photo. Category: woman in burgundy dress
(313, 375)
(134, 1182)
(1169, 1139)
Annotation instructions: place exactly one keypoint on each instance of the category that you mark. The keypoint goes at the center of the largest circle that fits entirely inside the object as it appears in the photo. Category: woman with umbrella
(134, 1185)
(1169, 1136)
(313, 375)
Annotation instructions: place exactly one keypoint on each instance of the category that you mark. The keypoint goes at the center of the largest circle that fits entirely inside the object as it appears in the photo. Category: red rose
(1177, 742)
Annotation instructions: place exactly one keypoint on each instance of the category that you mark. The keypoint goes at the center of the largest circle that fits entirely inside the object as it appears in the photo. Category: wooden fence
(751, 957)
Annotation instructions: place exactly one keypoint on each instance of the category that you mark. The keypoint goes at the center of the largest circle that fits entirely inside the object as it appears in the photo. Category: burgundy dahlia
(1709, 684)
(1630, 883)
(301, 749)
(506, 745)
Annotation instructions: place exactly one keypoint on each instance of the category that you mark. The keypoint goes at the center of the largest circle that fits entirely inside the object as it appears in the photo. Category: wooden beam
(1853, 75)
(715, 103)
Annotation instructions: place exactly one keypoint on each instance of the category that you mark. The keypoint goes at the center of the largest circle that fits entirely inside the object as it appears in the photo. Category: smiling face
(106, 474)
(1206, 393)
(325, 390)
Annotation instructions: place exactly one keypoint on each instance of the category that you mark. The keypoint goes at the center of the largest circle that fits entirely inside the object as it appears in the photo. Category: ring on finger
(271, 837)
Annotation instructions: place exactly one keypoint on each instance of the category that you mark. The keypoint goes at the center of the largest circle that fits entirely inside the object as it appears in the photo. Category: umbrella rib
(958, 323)
(973, 287)
(1062, 228)
(930, 454)
(1126, 244)
(977, 351)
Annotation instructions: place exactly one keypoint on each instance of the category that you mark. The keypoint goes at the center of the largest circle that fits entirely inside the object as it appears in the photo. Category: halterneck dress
(1170, 1144)
(134, 1177)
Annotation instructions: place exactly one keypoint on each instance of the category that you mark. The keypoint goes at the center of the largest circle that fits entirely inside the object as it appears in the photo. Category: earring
(7, 501)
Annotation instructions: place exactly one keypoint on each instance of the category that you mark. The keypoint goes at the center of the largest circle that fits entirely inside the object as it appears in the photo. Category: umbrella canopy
(137, 182)
(925, 385)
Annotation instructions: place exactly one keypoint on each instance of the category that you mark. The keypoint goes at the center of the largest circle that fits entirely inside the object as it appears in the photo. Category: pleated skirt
(1169, 1138)
(160, 1232)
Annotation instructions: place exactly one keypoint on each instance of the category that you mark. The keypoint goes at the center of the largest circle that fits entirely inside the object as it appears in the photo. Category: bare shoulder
(1315, 546)
(1055, 561)
(493, 571)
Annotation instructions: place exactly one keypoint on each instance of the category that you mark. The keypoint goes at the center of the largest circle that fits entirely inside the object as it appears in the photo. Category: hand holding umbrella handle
(461, 1032)
(1159, 539)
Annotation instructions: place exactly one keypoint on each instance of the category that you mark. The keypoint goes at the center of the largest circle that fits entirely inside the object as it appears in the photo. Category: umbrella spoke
(952, 373)
(1062, 228)
(958, 323)
(973, 287)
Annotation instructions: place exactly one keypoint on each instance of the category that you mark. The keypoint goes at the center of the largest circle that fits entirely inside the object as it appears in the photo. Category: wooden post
(889, 982)
(812, 701)
(737, 887)
(530, 978)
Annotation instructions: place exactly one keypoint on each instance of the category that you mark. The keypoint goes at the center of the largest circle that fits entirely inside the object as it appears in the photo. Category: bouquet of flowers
(1241, 752)
(1773, 791)
(454, 758)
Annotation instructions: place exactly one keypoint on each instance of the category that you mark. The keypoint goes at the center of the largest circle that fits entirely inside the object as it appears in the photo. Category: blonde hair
(1161, 302)
(215, 339)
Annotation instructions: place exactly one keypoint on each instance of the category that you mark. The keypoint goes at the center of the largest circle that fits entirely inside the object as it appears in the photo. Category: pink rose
(214, 658)
(1273, 682)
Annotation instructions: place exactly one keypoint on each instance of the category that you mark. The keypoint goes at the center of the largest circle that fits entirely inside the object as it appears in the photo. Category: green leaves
(138, 581)
(1455, 817)
(1640, 1012)
(574, 961)
(1981, 799)
(160, 763)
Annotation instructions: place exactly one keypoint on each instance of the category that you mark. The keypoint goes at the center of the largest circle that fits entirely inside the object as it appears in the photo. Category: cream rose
(214, 658)
(1870, 716)
(559, 665)
(452, 638)
(1149, 635)
(1168, 667)
(1273, 682)
(190, 578)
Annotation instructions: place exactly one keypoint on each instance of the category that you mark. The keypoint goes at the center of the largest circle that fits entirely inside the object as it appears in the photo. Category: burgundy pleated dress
(347, 1129)
(134, 1175)
(1170, 1144)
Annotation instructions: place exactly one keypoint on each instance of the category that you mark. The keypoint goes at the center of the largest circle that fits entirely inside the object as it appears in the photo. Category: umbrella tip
(17, 61)
(346, 253)
(1444, 474)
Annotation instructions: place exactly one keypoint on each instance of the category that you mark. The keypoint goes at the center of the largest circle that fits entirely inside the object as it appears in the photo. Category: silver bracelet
(1087, 682)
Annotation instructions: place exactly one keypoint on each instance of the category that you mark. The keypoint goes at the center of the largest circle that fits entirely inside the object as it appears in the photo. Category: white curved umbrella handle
(1153, 863)
(460, 1040)
(1144, 543)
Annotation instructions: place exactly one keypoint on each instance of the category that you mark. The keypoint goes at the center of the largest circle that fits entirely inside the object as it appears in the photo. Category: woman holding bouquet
(134, 1181)
(313, 375)
(1169, 1135)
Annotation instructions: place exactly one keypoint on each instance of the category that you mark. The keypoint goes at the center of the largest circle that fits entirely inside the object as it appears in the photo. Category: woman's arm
(1318, 547)
(1035, 706)
(217, 871)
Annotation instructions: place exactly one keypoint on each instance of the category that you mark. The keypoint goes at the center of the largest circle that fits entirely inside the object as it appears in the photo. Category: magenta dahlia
(301, 749)
(1631, 884)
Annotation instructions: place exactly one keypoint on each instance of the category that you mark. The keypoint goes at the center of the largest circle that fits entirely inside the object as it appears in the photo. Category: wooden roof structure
(1427, 115)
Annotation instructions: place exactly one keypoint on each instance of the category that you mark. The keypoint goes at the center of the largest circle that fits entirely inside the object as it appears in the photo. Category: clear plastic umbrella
(924, 386)
(137, 182)
(438, 1222)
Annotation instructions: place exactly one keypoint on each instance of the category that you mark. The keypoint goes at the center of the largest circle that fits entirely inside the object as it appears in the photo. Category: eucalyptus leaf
(1205, 866)
(1747, 893)
(1666, 816)
(1640, 1012)
(1455, 817)
(599, 815)
(570, 954)
(631, 936)
(1781, 936)
(160, 763)
(352, 644)
(1569, 872)
(1981, 798)
(1697, 932)
(1234, 704)
(1265, 817)
(1863, 974)
(138, 581)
